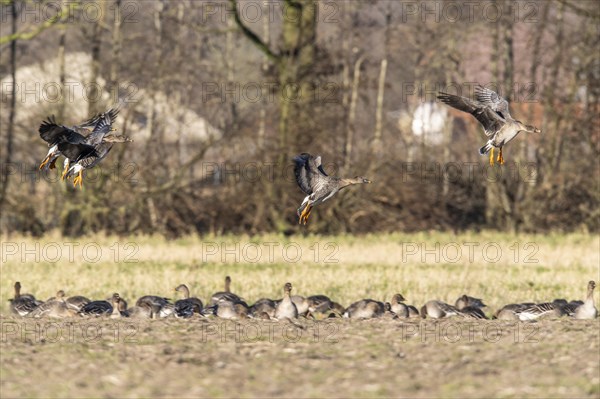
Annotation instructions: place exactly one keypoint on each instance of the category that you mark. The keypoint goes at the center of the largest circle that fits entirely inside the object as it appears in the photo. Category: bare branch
(251, 35)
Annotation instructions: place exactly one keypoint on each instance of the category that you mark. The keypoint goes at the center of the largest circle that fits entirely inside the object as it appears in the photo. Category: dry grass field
(334, 358)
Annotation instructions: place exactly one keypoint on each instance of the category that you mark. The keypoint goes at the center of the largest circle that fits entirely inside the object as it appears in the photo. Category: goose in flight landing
(91, 151)
(316, 184)
(493, 114)
(54, 134)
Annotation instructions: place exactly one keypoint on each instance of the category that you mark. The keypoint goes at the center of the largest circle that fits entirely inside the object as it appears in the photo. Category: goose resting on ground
(317, 185)
(492, 112)
(23, 304)
(226, 295)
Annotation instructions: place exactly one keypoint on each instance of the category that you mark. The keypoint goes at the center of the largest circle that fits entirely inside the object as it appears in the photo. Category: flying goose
(54, 134)
(316, 184)
(493, 114)
(286, 309)
(90, 152)
(365, 309)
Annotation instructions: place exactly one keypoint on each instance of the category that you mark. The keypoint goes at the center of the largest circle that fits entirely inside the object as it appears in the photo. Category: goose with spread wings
(54, 134)
(316, 184)
(90, 152)
(493, 114)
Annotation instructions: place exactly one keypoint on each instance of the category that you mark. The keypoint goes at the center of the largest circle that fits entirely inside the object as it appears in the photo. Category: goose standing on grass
(493, 114)
(316, 184)
(23, 304)
(588, 309)
(365, 309)
(286, 309)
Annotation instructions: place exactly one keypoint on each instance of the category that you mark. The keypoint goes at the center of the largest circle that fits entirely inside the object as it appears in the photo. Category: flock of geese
(228, 305)
(87, 144)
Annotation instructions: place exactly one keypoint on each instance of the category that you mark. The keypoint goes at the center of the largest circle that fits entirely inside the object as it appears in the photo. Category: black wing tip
(302, 158)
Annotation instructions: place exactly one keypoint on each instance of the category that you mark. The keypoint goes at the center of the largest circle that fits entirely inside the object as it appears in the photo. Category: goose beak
(367, 181)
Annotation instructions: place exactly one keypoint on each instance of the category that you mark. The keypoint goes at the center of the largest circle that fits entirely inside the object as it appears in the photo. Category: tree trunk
(61, 70)
(376, 145)
(116, 53)
(94, 93)
(12, 110)
(352, 113)
(265, 68)
(499, 210)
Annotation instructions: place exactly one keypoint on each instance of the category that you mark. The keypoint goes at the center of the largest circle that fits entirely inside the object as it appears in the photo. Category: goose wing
(309, 172)
(93, 121)
(537, 311)
(493, 100)
(489, 119)
(447, 308)
(76, 152)
(100, 152)
(101, 129)
(53, 133)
